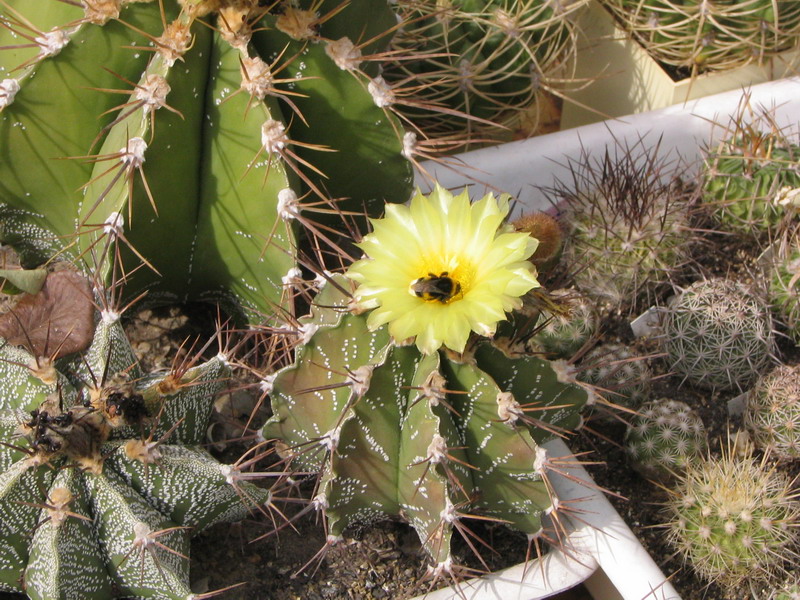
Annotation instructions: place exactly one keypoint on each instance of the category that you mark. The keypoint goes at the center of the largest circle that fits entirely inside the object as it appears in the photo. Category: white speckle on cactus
(8, 90)
(344, 54)
(52, 42)
(132, 155)
(381, 92)
(273, 136)
(288, 204)
(114, 224)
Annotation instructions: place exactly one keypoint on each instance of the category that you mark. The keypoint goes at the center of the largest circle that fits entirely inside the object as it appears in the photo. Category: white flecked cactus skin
(430, 439)
(105, 479)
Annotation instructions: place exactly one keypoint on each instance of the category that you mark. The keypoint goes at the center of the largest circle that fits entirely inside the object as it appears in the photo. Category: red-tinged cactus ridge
(432, 439)
(198, 134)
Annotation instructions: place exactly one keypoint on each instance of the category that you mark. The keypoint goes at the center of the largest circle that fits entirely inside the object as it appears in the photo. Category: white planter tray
(601, 552)
(520, 168)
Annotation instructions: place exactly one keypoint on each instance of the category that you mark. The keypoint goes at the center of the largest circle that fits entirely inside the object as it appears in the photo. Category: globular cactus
(663, 437)
(428, 438)
(717, 333)
(790, 590)
(629, 224)
(745, 178)
(772, 413)
(562, 334)
(710, 36)
(197, 132)
(784, 289)
(481, 61)
(103, 477)
(618, 373)
(734, 521)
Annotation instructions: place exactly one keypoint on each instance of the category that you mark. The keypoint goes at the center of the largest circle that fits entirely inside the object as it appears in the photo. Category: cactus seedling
(663, 437)
(210, 129)
(102, 474)
(718, 334)
(734, 520)
(772, 414)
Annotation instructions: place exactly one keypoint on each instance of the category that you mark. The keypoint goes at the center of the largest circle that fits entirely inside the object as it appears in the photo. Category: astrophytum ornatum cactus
(103, 477)
(710, 36)
(718, 334)
(189, 129)
(429, 438)
(772, 413)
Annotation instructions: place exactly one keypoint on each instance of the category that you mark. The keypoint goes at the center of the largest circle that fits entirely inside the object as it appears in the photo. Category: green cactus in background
(784, 289)
(718, 334)
(746, 178)
(710, 36)
(480, 61)
(562, 334)
(734, 520)
(629, 223)
(772, 414)
(197, 132)
(663, 437)
(429, 438)
(103, 476)
(621, 376)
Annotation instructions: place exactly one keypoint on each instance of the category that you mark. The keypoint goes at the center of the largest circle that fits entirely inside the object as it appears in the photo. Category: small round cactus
(562, 335)
(734, 520)
(773, 413)
(718, 334)
(784, 291)
(663, 437)
(619, 373)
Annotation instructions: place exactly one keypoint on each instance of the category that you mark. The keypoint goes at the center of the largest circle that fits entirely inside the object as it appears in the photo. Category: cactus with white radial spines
(103, 474)
(784, 289)
(428, 438)
(710, 36)
(772, 413)
(733, 520)
(717, 334)
(198, 132)
(561, 335)
(622, 377)
(663, 437)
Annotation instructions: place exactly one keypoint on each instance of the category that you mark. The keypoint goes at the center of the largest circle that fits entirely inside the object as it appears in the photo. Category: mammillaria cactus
(746, 178)
(772, 414)
(209, 129)
(709, 36)
(663, 437)
(483, 60)
(562, 335)
(103, 477)
(397, 424)
(623, 377)
(629, 224)
(784, 288)
(734, 520)
(718, 334)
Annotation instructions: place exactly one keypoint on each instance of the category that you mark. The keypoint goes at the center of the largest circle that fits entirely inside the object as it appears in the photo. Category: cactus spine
(772, 414)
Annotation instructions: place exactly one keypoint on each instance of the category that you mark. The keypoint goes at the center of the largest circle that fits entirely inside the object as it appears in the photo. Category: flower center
(440, 288)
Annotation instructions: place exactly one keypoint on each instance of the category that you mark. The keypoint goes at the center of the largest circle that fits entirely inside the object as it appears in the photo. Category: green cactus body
(488, 60)
(427, 438)
(718, 334)
(663, 437)
(199, 158)
(743, 190)
(562, 335)
(91, 508)
(621, 376)
(710, 36)
(784, 291)
(732, 520)
(772, 414)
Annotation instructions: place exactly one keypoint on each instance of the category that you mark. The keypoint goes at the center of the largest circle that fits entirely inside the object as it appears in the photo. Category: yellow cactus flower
(439, 268)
